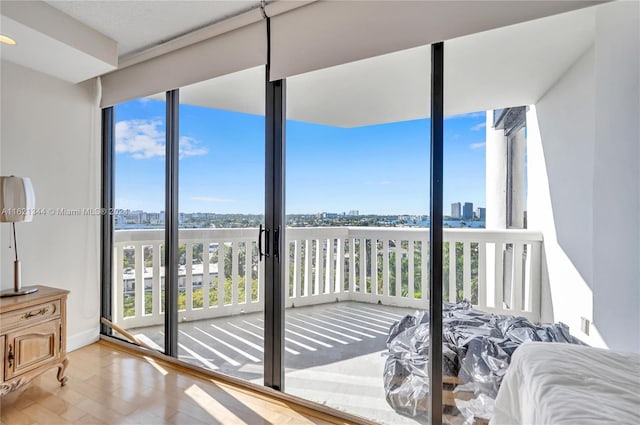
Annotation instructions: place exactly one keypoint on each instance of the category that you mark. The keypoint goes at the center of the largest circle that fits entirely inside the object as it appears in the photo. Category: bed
(550, 383)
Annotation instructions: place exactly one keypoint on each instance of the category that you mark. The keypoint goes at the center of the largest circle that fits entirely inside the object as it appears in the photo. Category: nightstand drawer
(33, 314)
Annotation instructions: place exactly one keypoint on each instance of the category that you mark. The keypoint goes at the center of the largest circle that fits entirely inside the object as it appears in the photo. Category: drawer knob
(35, 313)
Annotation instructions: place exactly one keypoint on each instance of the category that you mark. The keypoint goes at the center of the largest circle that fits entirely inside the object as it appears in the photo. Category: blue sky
(380, 169)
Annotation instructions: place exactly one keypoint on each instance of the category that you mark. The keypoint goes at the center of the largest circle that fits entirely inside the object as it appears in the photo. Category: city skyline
(466, 211)
(158, 217)
(379, 169)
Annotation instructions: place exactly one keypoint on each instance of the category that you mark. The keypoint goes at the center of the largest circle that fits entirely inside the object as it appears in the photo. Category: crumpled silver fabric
(477, 348)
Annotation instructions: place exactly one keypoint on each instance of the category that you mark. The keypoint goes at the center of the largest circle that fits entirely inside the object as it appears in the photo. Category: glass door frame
(435, 240)
(171, 223)
(275, 238)
(107, 174)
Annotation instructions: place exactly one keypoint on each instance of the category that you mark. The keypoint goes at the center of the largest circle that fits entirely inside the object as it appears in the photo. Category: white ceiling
(37, 50)
(138, 25)
(52, 42)
(78, 40)
(508, 66)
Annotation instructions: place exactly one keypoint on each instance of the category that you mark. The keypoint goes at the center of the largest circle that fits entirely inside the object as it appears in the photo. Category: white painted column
(518, 149)
(496, 189)
(496, 176)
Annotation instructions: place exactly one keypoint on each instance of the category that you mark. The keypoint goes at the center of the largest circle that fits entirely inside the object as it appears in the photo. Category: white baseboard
(81, 339)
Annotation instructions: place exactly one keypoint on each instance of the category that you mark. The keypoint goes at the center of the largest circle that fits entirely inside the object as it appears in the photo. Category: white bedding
(553, 383)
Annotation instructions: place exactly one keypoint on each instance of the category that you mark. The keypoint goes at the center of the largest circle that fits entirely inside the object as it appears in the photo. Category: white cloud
(478, 145)
(141, 138)
(144, 139)
(479, 126)
(189, 147)
(211, 199)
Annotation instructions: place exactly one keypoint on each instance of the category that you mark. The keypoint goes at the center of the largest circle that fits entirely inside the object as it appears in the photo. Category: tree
(459, 272)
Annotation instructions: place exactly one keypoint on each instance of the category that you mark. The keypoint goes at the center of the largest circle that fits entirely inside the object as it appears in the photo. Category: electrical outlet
(584, 325)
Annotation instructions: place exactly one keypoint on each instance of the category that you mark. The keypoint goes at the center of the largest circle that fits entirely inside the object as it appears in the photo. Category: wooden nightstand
(33, 333)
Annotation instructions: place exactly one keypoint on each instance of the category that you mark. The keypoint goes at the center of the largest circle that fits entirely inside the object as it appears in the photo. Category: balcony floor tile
(333, 352)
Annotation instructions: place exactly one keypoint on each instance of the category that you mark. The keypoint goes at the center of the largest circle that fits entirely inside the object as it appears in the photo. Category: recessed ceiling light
(7, 40)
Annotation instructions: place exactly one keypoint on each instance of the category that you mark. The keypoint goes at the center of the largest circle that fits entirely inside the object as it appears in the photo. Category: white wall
(616, 257)
(584, 184)
(50, 132)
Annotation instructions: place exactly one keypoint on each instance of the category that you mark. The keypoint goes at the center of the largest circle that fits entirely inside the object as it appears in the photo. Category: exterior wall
(584, 143)
(566, 295)
(50, 132)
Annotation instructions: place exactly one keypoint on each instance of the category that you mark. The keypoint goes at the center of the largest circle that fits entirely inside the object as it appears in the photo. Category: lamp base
(17, 280)
(22, 291)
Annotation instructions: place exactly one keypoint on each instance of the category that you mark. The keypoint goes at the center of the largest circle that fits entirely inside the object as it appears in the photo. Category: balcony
(346, 285)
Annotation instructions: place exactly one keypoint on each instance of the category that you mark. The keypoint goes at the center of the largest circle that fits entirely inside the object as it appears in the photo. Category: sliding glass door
(221, 210)
(357, 234)
(138, 274)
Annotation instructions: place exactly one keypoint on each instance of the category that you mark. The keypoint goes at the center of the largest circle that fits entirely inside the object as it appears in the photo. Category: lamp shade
(17, 199)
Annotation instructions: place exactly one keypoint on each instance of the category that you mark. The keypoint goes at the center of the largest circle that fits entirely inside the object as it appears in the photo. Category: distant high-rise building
(481, 213)
(354, 212)
(467, 211)
(154, 218)
(455, 210)
(134, 217)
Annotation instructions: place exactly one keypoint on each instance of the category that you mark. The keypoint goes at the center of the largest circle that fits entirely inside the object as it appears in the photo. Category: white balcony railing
(498, 270)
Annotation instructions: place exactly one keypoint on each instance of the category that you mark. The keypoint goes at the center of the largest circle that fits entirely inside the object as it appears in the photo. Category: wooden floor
(110, 386)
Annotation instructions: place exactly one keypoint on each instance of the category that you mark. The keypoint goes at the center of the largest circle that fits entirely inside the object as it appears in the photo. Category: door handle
(266, 232)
